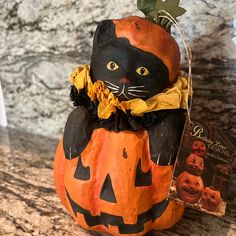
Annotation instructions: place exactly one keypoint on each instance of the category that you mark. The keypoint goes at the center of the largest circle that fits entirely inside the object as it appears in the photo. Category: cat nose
(124, 80)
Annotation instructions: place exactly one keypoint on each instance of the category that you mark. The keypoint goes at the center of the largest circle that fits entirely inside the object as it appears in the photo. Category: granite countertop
(29, 205)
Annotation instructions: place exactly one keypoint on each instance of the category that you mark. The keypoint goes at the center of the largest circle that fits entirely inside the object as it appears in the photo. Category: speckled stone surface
(29, 205)
(42, 41)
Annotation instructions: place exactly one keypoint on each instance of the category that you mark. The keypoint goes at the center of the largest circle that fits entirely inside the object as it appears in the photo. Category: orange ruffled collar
(173, 97)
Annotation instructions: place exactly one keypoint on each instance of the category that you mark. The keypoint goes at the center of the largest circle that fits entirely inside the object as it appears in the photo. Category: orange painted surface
(59, 171)
(151, 38)
(104, 155)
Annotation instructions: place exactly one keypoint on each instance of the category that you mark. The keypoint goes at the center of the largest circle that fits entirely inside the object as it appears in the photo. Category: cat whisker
(139, 91)
(135, 95)
(126, 96)
(123, 92)
(140, 86)
(111, 88)
(113, 85)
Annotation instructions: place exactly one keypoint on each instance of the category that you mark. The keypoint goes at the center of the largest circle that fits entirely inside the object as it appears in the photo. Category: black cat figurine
(113, 174)
(127, 71)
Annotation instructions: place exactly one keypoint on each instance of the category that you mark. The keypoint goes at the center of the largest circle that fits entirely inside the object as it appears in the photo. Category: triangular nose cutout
(107, 192)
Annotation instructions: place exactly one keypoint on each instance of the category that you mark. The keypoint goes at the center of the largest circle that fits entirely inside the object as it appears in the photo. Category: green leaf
(170, 6)
(153, 10)
(146, 6)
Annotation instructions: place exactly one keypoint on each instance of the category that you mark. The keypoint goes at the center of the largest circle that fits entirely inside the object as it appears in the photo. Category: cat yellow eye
(142, 71)
(112, 66)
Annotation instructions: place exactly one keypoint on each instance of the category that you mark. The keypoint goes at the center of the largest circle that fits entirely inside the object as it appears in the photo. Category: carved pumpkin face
(189, 187)
(210, 199)
(199, 148)
(194, 164)
(104, 202)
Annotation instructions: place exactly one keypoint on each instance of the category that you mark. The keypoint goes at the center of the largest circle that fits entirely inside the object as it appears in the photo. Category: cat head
(134, 57)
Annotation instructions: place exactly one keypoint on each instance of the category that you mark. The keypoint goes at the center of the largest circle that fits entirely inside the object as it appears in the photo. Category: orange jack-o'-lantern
(194, 164)
(210, 199)
(199, 148)
(189, 187)
(122, 195)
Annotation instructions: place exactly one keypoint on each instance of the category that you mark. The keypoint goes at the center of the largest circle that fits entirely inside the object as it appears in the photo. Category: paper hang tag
(203, 168)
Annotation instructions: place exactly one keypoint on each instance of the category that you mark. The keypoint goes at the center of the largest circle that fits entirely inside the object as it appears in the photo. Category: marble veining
(41, 42)
(30, 206)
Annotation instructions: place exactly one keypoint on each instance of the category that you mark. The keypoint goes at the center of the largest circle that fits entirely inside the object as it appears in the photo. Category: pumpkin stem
(153, 11)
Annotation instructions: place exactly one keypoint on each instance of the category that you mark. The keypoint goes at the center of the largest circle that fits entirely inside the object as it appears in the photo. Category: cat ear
(104, 34)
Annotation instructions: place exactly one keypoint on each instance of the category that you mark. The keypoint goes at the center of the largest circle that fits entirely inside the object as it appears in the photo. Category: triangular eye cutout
(107, 192)
(142, 178)
(81, 172)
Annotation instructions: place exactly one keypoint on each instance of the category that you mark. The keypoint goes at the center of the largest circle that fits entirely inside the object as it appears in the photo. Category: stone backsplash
(42, 41)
